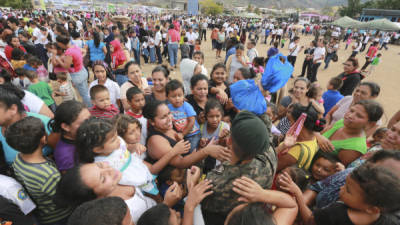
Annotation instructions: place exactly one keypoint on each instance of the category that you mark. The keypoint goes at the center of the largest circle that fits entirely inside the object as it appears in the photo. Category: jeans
(384, 46)
(173, 53)
(203, 34)
(136, 53)
(191, 51)
(366, 64)
(158, 53)
(79, 79)
(194, 141)
(328, 59)
(121, 79)
(152, 55)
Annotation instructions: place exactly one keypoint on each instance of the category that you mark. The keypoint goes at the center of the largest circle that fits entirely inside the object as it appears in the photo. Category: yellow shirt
(304, 154)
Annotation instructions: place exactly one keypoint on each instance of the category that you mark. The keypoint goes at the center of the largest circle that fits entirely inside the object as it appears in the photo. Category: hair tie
(318, 122)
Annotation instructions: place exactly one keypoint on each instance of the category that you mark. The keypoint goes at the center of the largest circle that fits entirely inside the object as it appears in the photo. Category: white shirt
(40, 38)
(318, 53)
(158, 38)
(294, 49)
(251, 54)
(358, 47)
(33, 102)
(279, 32)
(366, 40)
(113, 89)
(13, 191)
(335, 34)
(191, 37)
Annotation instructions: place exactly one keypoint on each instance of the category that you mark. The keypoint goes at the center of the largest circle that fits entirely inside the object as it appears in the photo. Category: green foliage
(354, 7)
(16, 4)
(210, 7)
(257, 11)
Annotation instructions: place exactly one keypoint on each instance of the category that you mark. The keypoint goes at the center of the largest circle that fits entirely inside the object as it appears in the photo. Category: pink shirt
(77, 58)
(173, 35)
(372, 51)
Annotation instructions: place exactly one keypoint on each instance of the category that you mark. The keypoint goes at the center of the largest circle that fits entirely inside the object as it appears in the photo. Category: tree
(210, 7)
(17, 4)
(249, 8)
(352, 9)
(257, 11)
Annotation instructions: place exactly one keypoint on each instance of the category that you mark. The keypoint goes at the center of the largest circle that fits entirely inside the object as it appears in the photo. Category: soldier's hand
(248, 189)
(173, 195)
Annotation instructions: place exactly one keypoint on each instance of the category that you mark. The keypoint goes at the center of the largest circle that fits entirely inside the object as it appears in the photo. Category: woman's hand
(286, 183)
(178, 136)
(289, 141)
(147, 91)
(192, 177)
(197, 194)
(339, 167)
(248, 189)
(202, 142)
(325, 144)
(217, 151)
(173, 195)
(181, 147)
(222, 96)
(229, 104)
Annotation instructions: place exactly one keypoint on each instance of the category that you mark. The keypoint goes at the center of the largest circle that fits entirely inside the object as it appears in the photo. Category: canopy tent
(380, 24)
(347, 22)
(249, 15)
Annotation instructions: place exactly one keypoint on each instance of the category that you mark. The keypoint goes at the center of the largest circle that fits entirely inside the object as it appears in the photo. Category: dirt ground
(386, 74)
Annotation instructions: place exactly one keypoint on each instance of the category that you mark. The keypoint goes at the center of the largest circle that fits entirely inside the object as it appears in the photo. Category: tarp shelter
(381, 24)
(249, 15)
(347, 22)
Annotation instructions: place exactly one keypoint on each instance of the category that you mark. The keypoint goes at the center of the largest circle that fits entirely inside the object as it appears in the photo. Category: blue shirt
(96, 53)
(331, 97)
(230, 52)
(267, 32)
(10, 153)
(180, 118)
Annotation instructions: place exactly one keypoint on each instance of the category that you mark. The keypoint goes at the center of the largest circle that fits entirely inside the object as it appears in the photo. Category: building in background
(193, 7)
(374, 14)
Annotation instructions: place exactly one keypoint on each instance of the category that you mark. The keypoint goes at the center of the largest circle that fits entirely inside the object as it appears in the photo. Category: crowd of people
(227, 146)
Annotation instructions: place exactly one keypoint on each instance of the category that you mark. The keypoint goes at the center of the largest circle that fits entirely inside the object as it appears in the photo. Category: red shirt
(134, 115)
(372, 51)
(8, 50)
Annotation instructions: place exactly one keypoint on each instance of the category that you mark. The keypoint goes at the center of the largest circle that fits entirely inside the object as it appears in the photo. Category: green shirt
(375, 61)
(358, 144)
(43, 91)
(40, 181)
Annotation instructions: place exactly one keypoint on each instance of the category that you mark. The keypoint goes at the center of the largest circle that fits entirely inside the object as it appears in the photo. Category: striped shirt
(40, 181)
(110, 112)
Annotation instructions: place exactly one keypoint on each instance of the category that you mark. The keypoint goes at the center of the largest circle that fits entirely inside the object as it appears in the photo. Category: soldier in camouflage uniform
(253, 157)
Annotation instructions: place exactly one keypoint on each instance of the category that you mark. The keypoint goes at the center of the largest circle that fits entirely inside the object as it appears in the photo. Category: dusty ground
(387, 74)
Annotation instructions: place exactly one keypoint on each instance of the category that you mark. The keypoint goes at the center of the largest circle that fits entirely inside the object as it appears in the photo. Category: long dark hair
(96, 39)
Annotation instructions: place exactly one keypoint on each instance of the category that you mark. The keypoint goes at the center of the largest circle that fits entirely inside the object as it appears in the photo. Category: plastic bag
(276, 73)
(247, 96)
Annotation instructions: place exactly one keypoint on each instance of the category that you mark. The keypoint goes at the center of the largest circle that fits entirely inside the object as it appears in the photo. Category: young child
(41, 89)
(348, 42)
(332, 95)
(213, 129)
(185, 49)
(184, 116)
(17, 58)
(258, 65)
(37, 174)
(197, 45)
(66, 91)
(67, 119)
(198, 56)
(136, 100)
(272, 112)
(283, 42)
(323, 166)
(145, 50)
(21, 81)
(106, 146)
(368, 193)
(152, 49)
(33, 63)
(377, 137)
(375, 63)
(102, 107)
(315, 94)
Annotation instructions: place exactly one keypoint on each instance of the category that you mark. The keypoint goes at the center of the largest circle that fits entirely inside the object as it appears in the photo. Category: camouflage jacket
(261, 169)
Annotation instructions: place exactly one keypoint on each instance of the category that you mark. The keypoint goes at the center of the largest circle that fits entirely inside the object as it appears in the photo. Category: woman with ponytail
(300, 151)
(97, 49)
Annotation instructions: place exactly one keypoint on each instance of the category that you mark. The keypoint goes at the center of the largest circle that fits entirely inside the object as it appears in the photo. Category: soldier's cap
(250, 133)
